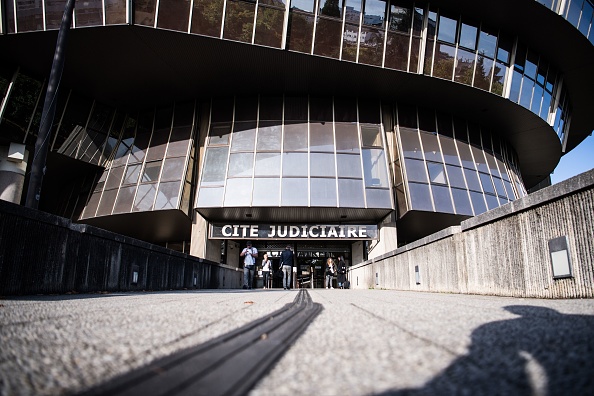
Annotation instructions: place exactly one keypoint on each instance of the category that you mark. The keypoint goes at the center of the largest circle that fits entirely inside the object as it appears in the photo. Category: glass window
(374, 168)
(499, 73)
(492, 201)
(114, 178)
(269, 27)
(322, 164)
(321, 137)
(400, 18)
(300, 32)
(328, 35)
(132, 174)
(487, 183)
(107, 201)
(487, 43)
(431, 147)
(295, 137)
(478, 202)
(468, 35)
(447, 29)
(54, 11)
(350, 193)
(178, 141)
(444, 61)
(479, 158)
(484, 69)
(331, 8)
(461, 202)
(210, 197)
(151, 172)
(348, 165)
(349, 41)
(158, 145)
(472, 180)
(239, 20)
(207, 17)
(370, 136)
(499, 187)
(294, 192)
(415, 170)
(442, 199)
(219, 134)
(115, 12)
(244, 136)
(267, 164)
(573, 13)
(586, 18)
(303, 5)
(448, 147)
(295, 164)
(241, 164)
(238, 192)
(174, 14)
(504, 49)
(371, 47)
(173, 169)
(436, 173)
(465, 156)
(89, 13)
(455, 176)
(144, 12)
(378, 198)
(323, 192)
(464, 67)
(124, 201)
(411, 146)
(420, 196)
(397, 51)
(347, 138)
(167, 196)
(145, 197)
(374, 13)
(215, 165)
(266, 191)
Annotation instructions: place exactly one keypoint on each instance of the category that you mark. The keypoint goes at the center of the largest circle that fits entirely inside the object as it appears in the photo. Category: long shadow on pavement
(543, 352)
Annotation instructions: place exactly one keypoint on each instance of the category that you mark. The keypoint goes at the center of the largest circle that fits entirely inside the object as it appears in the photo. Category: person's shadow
(543, 352)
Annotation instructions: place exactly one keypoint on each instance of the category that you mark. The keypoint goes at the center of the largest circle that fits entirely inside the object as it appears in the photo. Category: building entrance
(310, 260)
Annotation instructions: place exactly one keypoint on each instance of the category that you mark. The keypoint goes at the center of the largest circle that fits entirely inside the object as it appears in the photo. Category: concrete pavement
(364, 342)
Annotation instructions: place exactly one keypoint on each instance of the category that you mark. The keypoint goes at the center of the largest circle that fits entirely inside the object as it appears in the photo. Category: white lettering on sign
(314, 231)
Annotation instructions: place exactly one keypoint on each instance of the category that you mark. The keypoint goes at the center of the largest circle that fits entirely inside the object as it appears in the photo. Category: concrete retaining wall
(41, 254)
(502, 252)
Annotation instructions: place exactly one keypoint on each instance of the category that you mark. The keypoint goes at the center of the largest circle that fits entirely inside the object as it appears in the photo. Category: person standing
(330, 272)
(249, 262)
(342, 270)
(286, 263)
(266, 265)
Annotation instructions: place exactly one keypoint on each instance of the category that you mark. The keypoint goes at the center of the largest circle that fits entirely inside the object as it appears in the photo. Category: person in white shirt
(266, 266)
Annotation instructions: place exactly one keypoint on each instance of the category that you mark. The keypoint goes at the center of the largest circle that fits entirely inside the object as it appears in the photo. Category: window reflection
(174, 14)
(323, 192)
(239, 20)
(207, 17)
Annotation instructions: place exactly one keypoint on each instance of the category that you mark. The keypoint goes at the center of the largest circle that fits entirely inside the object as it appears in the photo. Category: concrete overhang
(135, 66)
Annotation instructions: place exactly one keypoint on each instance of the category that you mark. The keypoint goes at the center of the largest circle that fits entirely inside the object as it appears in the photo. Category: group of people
(250, 253)
(332, 270)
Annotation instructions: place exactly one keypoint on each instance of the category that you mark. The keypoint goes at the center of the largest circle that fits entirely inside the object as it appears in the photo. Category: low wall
(43, 254)
(502, 252)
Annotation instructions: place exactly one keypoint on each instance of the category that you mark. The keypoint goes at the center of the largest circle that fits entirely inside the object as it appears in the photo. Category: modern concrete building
(338, 127)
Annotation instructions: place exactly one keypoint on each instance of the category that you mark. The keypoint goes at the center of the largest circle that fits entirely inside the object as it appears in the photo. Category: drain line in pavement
(230, 364)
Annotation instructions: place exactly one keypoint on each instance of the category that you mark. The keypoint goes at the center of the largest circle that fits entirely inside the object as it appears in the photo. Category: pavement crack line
(230, 364)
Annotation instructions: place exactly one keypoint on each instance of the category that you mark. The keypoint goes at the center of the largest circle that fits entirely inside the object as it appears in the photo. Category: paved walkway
(363, 342)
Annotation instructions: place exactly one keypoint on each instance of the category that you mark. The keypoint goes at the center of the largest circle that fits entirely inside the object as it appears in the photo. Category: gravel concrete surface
(364, 342)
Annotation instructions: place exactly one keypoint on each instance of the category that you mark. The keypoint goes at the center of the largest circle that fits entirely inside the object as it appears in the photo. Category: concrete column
(13, 164)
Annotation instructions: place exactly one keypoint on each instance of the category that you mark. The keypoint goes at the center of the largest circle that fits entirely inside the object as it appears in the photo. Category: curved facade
(341, 127)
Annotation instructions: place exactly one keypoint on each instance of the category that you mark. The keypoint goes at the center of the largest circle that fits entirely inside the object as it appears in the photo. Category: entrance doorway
(310, 260)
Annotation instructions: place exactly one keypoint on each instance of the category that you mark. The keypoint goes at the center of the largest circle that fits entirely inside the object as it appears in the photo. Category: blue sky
(578, 160)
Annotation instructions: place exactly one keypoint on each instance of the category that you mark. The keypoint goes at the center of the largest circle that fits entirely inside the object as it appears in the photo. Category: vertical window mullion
(255, 21)
(315, 28)
(335, 155)
(229, 152)
(223, 24)
(361, 19)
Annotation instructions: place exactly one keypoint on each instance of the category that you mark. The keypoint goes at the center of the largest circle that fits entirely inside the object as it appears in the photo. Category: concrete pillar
(13, 164)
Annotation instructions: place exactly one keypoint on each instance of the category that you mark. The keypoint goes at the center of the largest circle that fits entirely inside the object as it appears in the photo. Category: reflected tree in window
(207, 17)
(331, 8)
